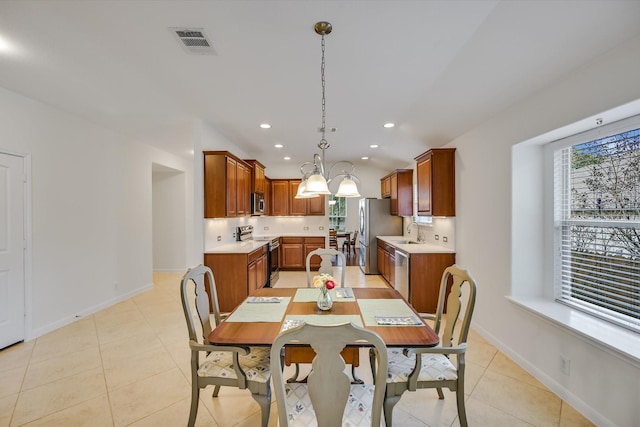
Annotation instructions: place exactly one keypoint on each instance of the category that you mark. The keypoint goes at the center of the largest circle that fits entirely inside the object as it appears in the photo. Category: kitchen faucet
(420, 237)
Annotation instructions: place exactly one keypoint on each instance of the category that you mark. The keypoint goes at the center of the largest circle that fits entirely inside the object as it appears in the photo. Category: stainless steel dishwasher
(402, 273)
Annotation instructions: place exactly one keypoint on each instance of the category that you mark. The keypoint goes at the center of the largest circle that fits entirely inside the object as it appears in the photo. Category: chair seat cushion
(435, 367)
(356, 413)
(256, 365)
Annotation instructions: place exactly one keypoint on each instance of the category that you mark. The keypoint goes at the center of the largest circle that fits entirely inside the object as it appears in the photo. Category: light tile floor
(128, 365)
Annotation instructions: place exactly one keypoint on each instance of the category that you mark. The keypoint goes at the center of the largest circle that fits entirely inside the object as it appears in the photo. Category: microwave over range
(257, 204)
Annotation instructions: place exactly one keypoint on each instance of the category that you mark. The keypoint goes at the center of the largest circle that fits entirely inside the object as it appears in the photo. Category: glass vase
(324, 300)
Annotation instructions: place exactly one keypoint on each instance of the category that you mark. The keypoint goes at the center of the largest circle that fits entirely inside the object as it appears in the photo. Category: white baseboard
(35, 333)
(579, 405)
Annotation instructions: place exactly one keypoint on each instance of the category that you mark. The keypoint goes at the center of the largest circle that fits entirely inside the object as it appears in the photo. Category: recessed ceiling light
(389, 125)
(265, 126)
(287, 158)
(365, 158)
(373, 146)
(278, 145)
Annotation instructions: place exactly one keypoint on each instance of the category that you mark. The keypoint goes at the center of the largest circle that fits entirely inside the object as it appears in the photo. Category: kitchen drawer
(314, 241)
(257, 253)
(285, 240)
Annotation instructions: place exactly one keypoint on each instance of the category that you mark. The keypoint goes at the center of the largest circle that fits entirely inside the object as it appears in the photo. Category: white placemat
(311, 294)
(320, 319)
(260, 312)
(370, 308)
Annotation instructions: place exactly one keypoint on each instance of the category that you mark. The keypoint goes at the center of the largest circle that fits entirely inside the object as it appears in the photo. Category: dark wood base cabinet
(424, 275)
(237, 275)
(294, 251)
(424, 279)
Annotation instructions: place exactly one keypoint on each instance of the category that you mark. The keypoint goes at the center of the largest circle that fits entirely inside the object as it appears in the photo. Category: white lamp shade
(302, 194)
(317, 184)
(348, 188)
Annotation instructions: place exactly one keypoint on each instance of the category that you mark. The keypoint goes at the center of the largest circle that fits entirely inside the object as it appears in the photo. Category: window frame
(561, 222)
(340, 201)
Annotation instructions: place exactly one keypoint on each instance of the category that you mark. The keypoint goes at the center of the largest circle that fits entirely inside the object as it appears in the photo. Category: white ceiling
(436, 68)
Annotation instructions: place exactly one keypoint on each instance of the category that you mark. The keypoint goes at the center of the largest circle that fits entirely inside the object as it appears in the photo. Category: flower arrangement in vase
(325, 282)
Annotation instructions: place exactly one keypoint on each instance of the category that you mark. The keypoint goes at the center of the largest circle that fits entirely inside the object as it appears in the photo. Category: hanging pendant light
(317, 180)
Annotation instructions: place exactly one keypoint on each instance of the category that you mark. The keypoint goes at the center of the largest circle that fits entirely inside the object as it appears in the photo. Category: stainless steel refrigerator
(375, 220)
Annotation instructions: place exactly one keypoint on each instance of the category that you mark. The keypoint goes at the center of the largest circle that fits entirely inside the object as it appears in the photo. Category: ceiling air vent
(194, 40)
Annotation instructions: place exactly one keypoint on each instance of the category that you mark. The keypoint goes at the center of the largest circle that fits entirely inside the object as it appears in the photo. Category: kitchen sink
(406, 242)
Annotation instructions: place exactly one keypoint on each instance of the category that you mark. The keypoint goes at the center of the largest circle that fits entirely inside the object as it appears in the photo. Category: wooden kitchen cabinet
(296, 206)
(226, 185)
(310, 245)
(267, 196)
(257, 272)
(258, 179)
(284, 203)
(244, 190)
(398, 186)
(237, 275)
(436, 182)
(424, 279)
(279, 197)
(315, 205)
(387, 262)
(294, 251)
(385, 187)
(425, 273)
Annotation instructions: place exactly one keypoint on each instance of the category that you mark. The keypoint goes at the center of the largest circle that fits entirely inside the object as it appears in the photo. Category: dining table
(266, 312)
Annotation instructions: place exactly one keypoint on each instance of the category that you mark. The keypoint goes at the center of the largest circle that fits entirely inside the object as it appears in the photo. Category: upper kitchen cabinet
(398, 186)
(267, 196)
(385, 187)
(437, 182)
(226, 185)
(283, 201)
(258, 180)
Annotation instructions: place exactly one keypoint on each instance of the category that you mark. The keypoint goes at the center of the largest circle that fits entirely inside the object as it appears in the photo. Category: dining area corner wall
(486, 225)
(88, 227)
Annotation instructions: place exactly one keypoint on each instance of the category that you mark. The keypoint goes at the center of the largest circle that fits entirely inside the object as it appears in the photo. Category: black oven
(274, 260)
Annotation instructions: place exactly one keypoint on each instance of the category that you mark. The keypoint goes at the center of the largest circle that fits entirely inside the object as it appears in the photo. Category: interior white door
(12, 244)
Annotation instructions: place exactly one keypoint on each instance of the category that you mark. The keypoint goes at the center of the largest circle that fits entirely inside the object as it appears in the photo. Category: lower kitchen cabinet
(387, 262)
(237, 275)
(425, 273)
(310, 245)
(424, 279)
(294, 250)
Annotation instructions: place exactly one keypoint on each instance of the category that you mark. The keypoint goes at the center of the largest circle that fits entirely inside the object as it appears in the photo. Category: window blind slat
(597, 214)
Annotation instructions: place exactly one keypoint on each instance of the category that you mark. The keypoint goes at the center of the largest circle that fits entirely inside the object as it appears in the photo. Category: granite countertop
(245, 247)
(400, 242)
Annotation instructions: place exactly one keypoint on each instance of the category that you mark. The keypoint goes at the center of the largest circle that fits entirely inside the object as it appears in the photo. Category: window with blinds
(597, 227)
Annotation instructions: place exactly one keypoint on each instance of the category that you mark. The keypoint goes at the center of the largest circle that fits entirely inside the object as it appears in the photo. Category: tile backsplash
(224, 228)
(441, 231)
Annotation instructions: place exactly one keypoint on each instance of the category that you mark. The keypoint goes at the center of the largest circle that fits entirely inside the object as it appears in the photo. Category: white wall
(168, 211)
(90, 240)
(602, 385)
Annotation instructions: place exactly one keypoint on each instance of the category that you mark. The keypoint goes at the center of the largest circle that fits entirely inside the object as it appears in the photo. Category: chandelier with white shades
(316, 176)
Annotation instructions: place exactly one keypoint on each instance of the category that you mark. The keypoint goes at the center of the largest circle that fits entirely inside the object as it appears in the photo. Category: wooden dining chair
(351, 243)
(326, 266)
(328, 396)
(412, 369)
(229, 366)
(333, 239)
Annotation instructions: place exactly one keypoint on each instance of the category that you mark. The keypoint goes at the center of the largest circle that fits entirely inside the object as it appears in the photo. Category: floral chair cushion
(434, 367)
(356, 413)
(256, 365)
